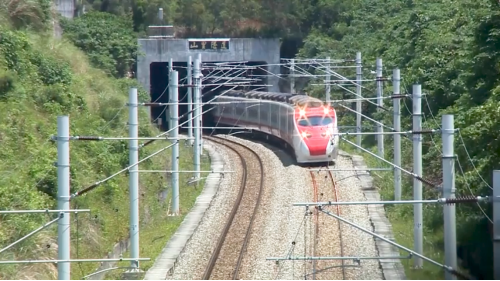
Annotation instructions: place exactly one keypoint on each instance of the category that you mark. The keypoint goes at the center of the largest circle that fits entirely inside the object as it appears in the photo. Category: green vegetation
(41, 78)
(108, 40)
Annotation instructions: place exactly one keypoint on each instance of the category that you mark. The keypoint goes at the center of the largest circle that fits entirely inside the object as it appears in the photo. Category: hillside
(40, 79)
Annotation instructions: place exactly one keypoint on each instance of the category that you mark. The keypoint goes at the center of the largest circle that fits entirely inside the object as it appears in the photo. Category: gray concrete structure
(65, 7)
(240, 49)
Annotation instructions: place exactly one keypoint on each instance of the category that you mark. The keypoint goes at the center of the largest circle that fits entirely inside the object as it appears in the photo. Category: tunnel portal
(154, 54)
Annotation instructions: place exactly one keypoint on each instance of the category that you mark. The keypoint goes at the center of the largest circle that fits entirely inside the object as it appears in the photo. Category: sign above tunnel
(209, 44)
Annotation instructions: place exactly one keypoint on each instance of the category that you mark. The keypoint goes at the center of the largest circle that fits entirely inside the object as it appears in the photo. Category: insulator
(89, 138)
(148, 142)
(426, 181)
(426, 131)
(462, 199)
(459, 274)
(152, 104)
(87, 189)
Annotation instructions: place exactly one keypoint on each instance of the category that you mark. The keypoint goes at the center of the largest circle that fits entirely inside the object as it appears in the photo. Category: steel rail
(222, 238)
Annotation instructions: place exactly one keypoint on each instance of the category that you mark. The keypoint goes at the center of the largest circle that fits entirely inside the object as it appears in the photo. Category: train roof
(295, 100)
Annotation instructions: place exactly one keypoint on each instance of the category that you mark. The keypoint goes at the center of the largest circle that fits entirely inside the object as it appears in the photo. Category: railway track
(226, 260)
(316, 224)
(329, 187)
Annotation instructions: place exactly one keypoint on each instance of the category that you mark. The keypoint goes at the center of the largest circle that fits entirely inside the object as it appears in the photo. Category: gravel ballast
(281, 229)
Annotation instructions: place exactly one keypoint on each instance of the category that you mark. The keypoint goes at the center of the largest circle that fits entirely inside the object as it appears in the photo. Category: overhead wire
(458, 160)
(470, 160)
(470, 190)
(292, 247)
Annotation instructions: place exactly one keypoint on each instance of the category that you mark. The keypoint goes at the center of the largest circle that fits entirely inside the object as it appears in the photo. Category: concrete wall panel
(240, 49)
(66, 8)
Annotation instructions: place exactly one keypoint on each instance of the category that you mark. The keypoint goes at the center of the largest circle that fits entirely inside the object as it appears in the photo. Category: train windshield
(315, 121)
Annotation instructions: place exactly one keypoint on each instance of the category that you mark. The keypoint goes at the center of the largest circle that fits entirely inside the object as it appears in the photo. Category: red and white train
(305, 123)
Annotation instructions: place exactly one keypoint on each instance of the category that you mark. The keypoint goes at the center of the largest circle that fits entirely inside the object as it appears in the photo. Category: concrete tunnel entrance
(160, 91)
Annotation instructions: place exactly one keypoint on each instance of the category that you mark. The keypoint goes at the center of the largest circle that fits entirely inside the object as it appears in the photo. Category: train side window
(240, 111)
(253, 112)
(268, 114)
(283, 124)
(264, 113)
(275, 111)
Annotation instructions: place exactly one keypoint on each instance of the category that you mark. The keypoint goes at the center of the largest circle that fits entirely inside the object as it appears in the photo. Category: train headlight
(305, 135)
(327, 133)
(302, 112)
(326, 110)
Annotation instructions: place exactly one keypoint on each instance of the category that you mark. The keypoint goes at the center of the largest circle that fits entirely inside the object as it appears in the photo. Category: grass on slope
(155, 235)
(41, 78)
(401, 218)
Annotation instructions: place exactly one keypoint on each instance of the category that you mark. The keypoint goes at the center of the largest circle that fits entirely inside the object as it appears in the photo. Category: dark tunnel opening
(214, 74)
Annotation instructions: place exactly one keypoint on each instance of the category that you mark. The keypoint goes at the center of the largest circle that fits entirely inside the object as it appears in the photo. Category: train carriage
(303, 122)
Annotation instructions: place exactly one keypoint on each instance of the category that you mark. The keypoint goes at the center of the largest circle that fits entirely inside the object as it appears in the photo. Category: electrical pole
(396, 79)
(292, 78)
(200, 123)
(496, 224)
(380, 104)
(197, 112)
(417, 169)
(160, 16)
(167, 113)
(450, 227)
(133, 123)
(190, 98)
(174, 117)
(359, 76)
(328, 77)
(63, 198)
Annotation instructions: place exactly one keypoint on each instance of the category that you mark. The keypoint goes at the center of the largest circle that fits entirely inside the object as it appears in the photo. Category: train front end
(316, 139)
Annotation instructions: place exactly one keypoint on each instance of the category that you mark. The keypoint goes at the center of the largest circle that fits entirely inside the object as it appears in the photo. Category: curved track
(227, 257)
(335, 191)
(332, 185)
(316, 223)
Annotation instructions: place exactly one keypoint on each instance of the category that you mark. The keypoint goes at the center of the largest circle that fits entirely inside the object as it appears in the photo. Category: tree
(109, 40)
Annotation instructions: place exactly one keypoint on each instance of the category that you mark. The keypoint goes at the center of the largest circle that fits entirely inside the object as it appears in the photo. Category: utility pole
(133, 146)
(197, 112)
(170, 65)
(496, 224)
(174, 117)
(160, 16)
(417, 169)
(63, 198)
(396, 104)
(450, 227)
(328, 77)
(190, 98)
(200, 123)
(167, 113)
(380, 104)
(359, 76)
(292, 78)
